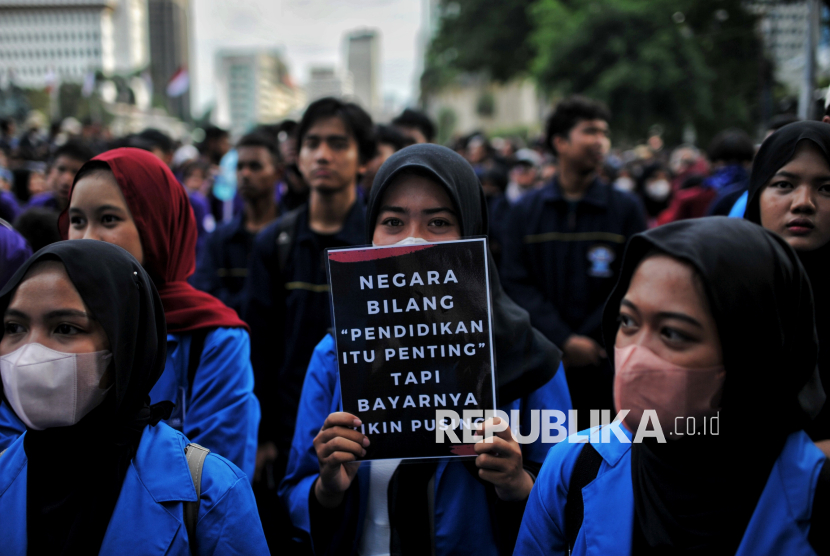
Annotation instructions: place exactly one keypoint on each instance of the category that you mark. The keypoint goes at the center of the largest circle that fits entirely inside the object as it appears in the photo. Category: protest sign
(413, 330)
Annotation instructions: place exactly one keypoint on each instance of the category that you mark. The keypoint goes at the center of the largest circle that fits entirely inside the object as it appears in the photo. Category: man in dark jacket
(287, 305)
(562, 248)
(223, 263)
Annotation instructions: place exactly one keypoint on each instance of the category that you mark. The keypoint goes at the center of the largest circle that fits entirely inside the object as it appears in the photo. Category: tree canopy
(669, 62)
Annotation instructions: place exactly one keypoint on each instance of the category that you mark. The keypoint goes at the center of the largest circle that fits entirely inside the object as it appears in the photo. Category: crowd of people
(174, 384)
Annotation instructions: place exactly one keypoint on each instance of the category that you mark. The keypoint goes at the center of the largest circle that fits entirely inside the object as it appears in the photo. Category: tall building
(326, 81)
(783, 28)
(254, 87)
(364, 65)
(46, 41)
(169, 51)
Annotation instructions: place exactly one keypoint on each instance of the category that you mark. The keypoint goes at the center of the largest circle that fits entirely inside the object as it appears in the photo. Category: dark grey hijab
(526, 360)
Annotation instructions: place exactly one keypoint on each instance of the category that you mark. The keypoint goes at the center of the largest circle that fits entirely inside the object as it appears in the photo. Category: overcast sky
(310, 32)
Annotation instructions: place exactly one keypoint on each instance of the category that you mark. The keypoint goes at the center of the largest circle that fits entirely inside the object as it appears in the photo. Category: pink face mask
(643, 381)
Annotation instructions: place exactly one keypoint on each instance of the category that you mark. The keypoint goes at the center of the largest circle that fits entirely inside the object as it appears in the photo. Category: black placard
(413, 329)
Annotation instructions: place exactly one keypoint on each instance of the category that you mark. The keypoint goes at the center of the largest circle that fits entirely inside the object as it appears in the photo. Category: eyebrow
(326, 137)
(437, 210)
(666, 314)
(56, 314)
(429, 211)
(792, 176)
(388, 208)
(99, 209)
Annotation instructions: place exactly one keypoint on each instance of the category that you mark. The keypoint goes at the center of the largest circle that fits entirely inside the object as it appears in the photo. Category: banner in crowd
(413, 329)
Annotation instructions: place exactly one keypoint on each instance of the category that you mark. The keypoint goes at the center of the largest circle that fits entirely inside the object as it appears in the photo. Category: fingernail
(366, 441)
(357, 422)
(363, 453)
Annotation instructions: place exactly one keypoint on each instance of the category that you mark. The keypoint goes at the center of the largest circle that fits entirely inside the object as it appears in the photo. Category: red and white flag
(179, 83)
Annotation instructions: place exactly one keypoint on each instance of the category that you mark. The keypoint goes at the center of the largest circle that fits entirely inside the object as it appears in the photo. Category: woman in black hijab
(789, 193)
(83, 342)
(421, 193)
(526, 359)
(711, 318)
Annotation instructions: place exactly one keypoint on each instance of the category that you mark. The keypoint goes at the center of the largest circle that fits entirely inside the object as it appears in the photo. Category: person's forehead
(64, 160)
(329, 126)
(410, 185)
(592, 123)
(252, 152)
(99, 186)
(48, 279)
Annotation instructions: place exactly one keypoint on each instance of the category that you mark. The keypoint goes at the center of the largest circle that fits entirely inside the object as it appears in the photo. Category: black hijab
(75, 473)
(777, 151)
(526, 360)
(696, 495)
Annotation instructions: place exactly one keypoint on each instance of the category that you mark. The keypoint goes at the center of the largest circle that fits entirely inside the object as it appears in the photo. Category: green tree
(664, 62)
(488, 36)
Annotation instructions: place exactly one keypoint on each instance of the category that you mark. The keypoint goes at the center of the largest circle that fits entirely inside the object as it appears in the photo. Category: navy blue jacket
(780, 524)
(223, 263)
(149, 515)
(289, 312)
(560, 259)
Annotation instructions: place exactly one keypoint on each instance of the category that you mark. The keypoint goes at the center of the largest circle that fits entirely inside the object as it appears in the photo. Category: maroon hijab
(167, 229)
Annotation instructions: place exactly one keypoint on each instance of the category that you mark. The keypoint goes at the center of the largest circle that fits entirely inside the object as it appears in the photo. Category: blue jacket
(223, 263)
(456, 491)
(221, 413)
(560, 259)
(739, 208)
(780, 524)
(148, 517)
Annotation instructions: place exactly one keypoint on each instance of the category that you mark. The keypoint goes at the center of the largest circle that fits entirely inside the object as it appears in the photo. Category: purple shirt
(13, 253)
(45, 200)
(9, 208)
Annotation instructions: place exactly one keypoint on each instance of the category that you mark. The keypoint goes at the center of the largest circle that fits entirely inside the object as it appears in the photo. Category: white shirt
(376, 536)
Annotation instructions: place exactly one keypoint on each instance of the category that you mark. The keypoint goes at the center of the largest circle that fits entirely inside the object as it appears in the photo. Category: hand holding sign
(337, 444)
(414, 337)
(500, 461)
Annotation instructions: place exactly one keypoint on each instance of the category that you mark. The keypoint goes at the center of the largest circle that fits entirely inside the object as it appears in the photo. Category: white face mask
(408, 241)
(658, 190)
(624, 183)
(48, 388)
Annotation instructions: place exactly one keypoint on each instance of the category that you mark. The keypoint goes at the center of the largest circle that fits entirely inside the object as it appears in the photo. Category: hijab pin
(137, 283)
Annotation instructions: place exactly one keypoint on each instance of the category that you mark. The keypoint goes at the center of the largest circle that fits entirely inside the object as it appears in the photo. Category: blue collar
(162, 465)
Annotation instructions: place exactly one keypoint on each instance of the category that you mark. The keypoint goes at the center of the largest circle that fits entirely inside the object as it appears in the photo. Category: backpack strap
(585, 470)
(286, 231)
(195, 463)
(197, 346)
(819, 537)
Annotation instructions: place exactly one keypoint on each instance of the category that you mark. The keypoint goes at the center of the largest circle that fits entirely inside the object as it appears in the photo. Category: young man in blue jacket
(562, 246)
(287, 302)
